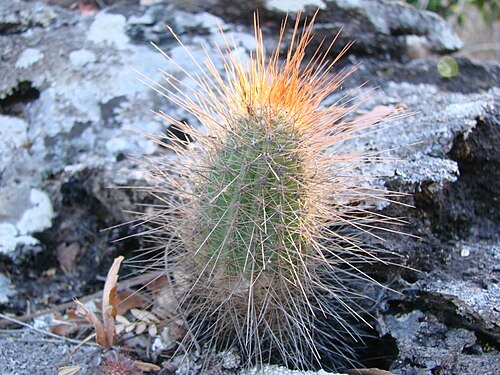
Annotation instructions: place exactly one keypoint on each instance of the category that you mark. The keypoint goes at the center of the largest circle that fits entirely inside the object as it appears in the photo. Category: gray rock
(6, 289)
(387, 29)
(401, 22)
(17, 17)
(427, 346)
(474, 300)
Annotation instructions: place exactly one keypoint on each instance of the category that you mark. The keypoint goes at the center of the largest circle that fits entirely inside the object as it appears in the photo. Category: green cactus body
(250, 203)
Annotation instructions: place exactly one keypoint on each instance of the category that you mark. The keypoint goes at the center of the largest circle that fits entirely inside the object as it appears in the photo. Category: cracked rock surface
(72, 104)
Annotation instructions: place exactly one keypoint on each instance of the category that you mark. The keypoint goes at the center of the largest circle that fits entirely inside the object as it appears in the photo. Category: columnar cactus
(258, 205)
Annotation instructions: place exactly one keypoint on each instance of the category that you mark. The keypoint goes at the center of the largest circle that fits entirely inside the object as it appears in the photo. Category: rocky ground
(70, 93)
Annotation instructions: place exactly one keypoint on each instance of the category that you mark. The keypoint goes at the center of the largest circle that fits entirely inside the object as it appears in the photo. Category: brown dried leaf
(158, 283)
(66, 256)
(128, 300)
(61, 326)
(177, 330)
(72, 315)
(147, 367)
(63, 329)
(166, 300)
(101, 336)
(109, 300)
(68, 324)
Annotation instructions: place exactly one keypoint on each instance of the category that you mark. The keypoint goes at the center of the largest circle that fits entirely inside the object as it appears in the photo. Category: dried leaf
(50, 272)
(57, 317)
(66, 256)
(130, 327)
(158, 283)
(145, 366)
(68, 370)
(72, 315)
(145, 316)
(121, 319)
(128, 300)
(152, 330)
(177, 330)
(109, 300)
(140, 328)
(101, 336)
(166, 301)
(63, 329)
(119, 328)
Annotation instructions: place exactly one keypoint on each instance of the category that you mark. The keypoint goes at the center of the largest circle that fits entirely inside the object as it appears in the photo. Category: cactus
(263, 208)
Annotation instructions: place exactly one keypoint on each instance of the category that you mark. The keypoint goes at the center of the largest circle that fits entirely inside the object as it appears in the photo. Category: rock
(23, 210)
(473, 299)
(388, 25)
(6, 289)
(427, 346)
(17, 17)
(293, 6)
(386, 29)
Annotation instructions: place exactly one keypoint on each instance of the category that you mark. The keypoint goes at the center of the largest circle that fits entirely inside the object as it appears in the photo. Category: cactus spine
(257, 251)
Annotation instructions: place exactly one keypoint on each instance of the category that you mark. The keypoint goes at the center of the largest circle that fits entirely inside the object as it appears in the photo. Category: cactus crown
(259, 249)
